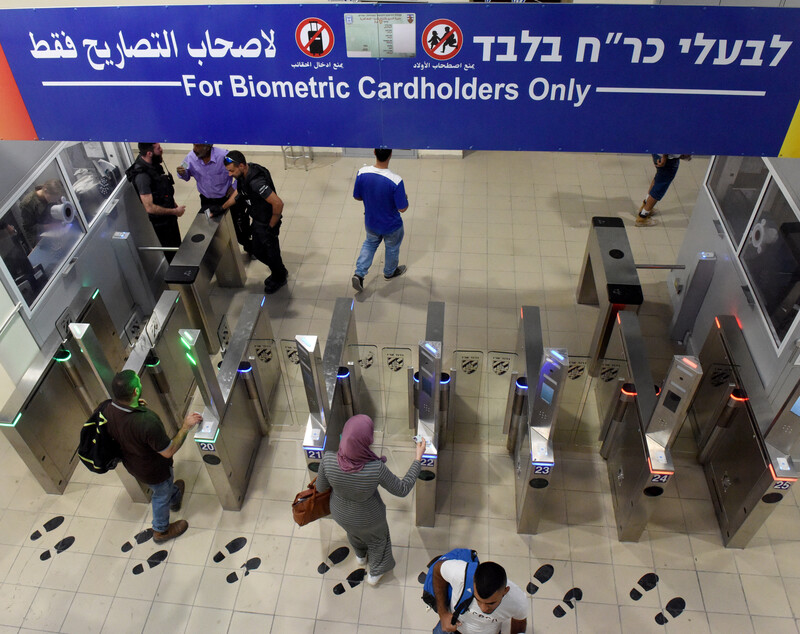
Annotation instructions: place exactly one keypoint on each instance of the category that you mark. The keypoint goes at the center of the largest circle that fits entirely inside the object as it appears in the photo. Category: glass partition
(94, 169)
(735, 183)
(771, 258)
(38, 231)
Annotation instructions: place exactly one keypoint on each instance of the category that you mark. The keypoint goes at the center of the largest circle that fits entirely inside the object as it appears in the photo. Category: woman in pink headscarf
(355, 472)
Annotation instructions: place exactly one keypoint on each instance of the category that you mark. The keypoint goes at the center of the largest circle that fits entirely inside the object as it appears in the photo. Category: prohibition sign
(440, 36)
(314, 37)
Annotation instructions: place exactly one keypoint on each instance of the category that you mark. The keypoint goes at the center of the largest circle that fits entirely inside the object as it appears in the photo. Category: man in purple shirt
(205, 163)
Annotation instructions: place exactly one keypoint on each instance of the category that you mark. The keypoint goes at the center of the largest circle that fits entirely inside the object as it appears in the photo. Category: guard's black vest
(161, 184)
(260, 210)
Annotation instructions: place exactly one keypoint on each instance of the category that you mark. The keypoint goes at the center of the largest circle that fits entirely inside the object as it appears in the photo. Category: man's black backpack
(97, 449)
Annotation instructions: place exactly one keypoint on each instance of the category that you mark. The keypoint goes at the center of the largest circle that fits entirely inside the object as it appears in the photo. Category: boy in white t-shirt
(498, 605)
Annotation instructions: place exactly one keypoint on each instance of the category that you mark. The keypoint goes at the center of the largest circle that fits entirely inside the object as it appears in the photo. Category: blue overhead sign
(708, 80)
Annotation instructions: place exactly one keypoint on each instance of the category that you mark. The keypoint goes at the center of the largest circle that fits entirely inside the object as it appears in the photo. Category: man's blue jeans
(392, 242)
(165, 494)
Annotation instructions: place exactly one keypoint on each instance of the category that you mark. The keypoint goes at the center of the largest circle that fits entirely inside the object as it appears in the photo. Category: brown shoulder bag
(310, 504)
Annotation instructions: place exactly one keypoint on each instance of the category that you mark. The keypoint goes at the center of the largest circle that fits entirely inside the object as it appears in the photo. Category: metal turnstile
(42, 418)
(530, 422)
(609, 280)
(236, 414)
(640, 425)
(332, 384)
(167, 381)
(430, 410)
(745, 449)
(208, 250)
(692, 294)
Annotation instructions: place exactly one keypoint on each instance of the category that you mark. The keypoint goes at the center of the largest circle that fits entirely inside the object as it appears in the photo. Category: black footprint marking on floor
(421, 577)
(675, 607)
(233, 546)
(353, 579)
(152, 561)
(647, 582)
(336, 557)
(139, 538)
(60, 547)
(576, 594)
(542, 575)
(250, 564)
(49, 525)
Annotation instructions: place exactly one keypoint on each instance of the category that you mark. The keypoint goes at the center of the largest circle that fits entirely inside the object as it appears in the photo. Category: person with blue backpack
(472, 597)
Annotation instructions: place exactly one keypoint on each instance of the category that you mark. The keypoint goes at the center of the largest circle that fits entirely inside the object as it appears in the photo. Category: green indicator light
(96, 293)
(62, 356)
(152, 365)
(191, 359)
(177, 299)
(186, 336)
(205, 440)
(185, 344)
(14, 424)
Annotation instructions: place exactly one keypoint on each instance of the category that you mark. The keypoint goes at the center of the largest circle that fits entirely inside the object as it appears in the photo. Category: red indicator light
(739, 399)
(739, 323)
(716, 319)
(626, 392)
(691, 364)
(778, 478)
(658, 471)
(618, 320)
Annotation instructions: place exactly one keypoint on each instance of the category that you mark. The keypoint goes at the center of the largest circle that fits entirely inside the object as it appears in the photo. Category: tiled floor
(485, 234)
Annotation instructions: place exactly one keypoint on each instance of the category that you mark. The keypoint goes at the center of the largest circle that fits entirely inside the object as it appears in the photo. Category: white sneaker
(373, 580)
(361, 560)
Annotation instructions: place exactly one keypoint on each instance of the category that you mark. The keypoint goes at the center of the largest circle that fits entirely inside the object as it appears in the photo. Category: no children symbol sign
(314, 37)
(442, 39)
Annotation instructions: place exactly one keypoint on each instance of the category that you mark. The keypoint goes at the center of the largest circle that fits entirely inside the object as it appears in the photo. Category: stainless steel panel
(735, 467)
(341, 350)
(53, 399)
(229, 459)
(234, 419)
(160, 361)
(677, 393)
(746, 475)
(784, 432)
(535, 459)
(206, 250)
(46, 430)
(628, 476)
(692, 296)
(609, 280)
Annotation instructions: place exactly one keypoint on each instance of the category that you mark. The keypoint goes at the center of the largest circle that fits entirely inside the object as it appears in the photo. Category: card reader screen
(671, 401)
(547, 393)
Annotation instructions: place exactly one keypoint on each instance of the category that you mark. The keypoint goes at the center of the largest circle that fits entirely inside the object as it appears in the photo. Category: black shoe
(271, 286)
(397, 272)
(358, 283)
(181, 486)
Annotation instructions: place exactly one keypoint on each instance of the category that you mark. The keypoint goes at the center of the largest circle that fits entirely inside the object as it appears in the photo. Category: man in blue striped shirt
(384, 197)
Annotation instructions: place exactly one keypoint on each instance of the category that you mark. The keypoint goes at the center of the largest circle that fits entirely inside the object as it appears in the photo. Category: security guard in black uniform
(157, 193)
(254, 185)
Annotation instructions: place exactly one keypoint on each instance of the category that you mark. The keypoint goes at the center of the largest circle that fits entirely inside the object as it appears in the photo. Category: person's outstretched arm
(395, 485)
